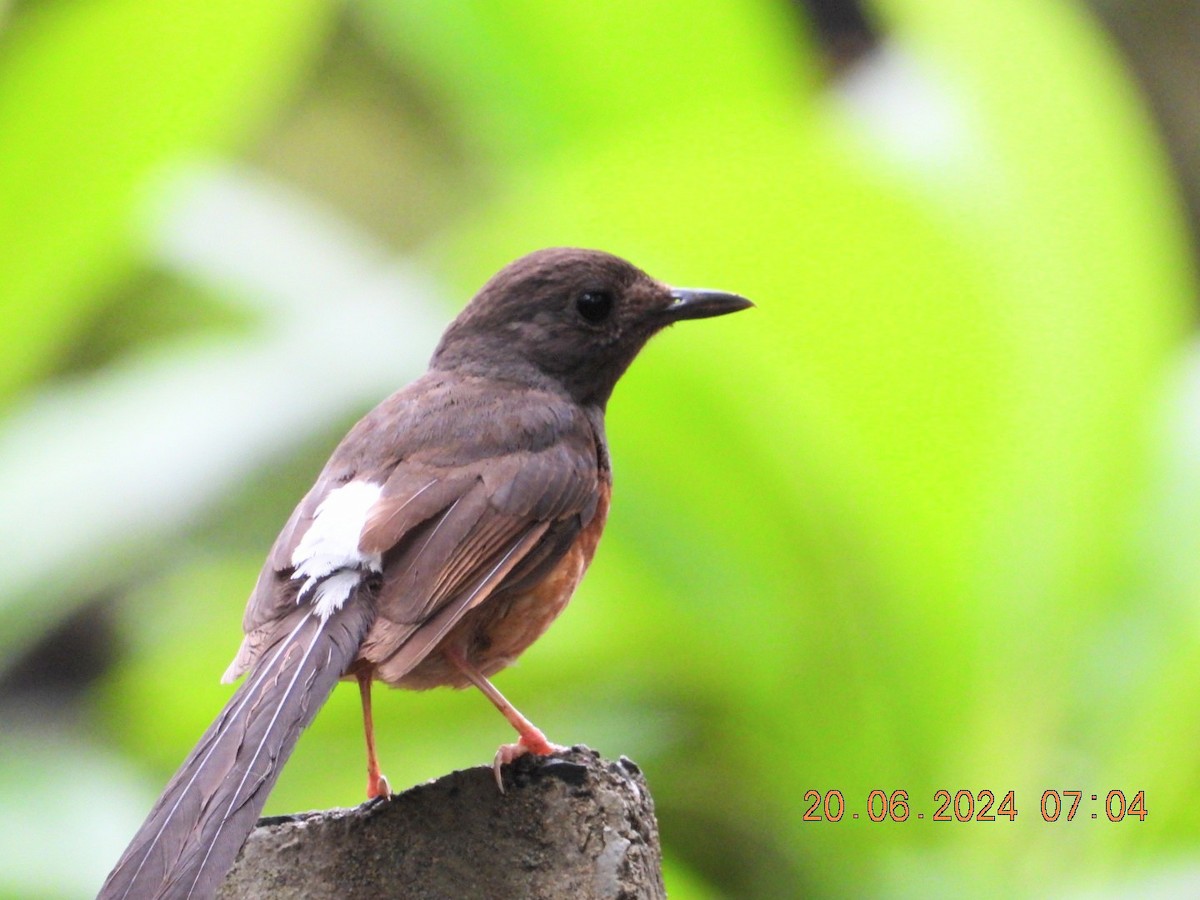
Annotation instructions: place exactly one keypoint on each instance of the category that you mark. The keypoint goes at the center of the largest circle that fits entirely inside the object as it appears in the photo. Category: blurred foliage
(923, 520)
(93, 95)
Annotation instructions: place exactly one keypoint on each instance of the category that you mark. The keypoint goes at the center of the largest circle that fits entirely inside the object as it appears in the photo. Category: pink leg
(532, 740)
(377, 783)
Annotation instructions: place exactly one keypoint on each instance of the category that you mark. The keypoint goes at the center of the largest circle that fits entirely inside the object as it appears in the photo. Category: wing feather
(449, 532)
(501, 527)
(397, 647)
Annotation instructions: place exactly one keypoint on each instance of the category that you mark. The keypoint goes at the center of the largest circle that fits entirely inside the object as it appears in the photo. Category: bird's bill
(691, 303)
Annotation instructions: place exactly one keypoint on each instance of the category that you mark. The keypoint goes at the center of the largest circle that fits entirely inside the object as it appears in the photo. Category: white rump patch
(327, 557)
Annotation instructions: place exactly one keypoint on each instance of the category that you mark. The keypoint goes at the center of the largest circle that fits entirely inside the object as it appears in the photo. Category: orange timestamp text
(975, 806)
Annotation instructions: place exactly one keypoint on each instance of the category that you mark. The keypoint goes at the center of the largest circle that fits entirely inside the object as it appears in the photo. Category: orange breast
(497, 631)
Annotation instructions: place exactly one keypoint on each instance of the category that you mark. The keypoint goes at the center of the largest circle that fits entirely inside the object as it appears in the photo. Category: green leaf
(93, 97)
(532, 77)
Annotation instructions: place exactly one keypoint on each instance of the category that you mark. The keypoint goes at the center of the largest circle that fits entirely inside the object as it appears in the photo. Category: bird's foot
(377, 786)
(531, 742)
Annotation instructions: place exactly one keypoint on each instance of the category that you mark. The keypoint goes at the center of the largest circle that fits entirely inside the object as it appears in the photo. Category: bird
(446, 532)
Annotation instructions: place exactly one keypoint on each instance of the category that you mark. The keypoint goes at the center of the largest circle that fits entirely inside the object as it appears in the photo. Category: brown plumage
(447, 531)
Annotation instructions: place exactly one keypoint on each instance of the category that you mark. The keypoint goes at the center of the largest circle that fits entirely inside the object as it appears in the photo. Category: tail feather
(195, 830)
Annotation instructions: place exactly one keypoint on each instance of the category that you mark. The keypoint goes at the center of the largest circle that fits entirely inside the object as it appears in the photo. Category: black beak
(700, 304)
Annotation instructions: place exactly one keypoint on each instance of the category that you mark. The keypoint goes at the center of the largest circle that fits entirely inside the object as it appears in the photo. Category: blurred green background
(926, 519)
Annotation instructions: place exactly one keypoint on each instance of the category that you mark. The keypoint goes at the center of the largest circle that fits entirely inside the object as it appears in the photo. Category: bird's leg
(377, 783)
(532, 739)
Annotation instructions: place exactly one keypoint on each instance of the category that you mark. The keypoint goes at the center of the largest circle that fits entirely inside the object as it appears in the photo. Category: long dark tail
(194, 832)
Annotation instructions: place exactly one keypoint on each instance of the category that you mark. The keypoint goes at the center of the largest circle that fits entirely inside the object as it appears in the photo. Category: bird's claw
(506, 753)
(378, 787)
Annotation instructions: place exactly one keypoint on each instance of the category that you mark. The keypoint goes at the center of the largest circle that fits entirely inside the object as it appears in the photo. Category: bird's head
(569, 319)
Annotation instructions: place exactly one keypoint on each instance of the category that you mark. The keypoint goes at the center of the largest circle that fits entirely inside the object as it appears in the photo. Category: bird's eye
(594, 306)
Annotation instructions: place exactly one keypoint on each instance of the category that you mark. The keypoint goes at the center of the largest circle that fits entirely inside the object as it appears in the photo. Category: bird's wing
(431, 536)
(518, 513)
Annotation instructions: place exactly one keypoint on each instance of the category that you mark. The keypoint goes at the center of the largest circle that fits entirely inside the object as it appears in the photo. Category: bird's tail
(194, 832)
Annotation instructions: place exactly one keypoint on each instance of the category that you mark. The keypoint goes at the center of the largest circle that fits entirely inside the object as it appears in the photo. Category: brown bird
(447, 531)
